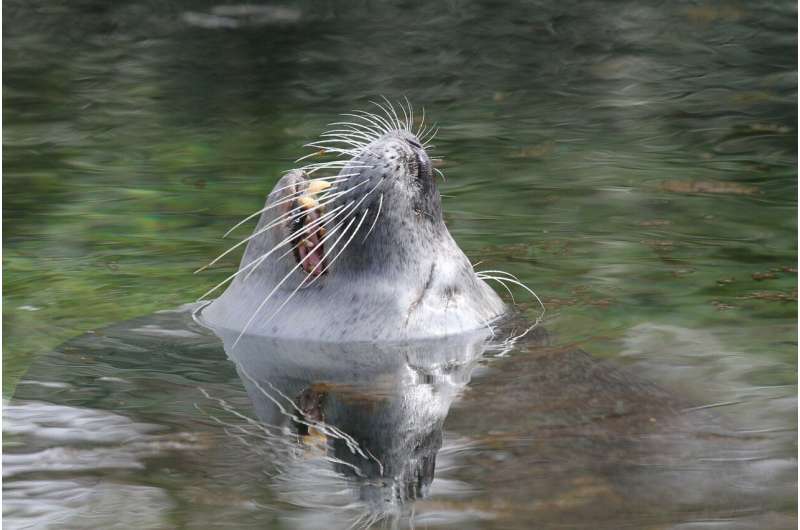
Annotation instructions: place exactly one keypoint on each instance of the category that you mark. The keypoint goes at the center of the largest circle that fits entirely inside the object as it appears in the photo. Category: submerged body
(362, 255)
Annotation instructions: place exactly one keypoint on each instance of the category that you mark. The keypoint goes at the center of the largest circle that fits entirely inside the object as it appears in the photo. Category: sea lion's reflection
(374, 411)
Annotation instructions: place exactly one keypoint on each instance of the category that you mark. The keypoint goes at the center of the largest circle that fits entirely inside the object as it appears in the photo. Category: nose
(423, 163)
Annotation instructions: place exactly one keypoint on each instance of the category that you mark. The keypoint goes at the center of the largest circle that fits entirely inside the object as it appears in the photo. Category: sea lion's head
(359, 233)
(387, 200)
(380, 208)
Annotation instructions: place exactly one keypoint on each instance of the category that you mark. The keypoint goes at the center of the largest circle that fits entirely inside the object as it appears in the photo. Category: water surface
(634, 163)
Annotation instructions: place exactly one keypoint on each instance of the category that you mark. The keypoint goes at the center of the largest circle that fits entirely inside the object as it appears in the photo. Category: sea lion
(360, 255)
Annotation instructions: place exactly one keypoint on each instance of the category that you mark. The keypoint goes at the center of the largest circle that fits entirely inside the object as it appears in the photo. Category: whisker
(277, 286)
(421, 132)
(385, 125)
(432, 134)
(373, 125)
(501, 282)
(410, 115)
(229, 278)
(289, 198)
(287, 217)
(349, 206)
(405, 114)
(363, 217)
(261, 258)
(298, 232)
(334, 164)
(350, 133)
(294, 247)
(326, 145)
(374, 222)
(325, 150)
(328, 149)
(311, 273)
(394, 113)
(359, 142)
(514, 280)
(317, 224)
(369, 129)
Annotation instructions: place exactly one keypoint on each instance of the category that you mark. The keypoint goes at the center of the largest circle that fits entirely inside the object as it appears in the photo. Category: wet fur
(406, 278)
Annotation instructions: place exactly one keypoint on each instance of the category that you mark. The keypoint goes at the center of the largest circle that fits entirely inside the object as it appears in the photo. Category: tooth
(307, 202)
(316, 186)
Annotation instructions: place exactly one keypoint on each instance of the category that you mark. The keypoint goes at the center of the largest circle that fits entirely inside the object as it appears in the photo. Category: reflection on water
(154, 424)
(373, 413)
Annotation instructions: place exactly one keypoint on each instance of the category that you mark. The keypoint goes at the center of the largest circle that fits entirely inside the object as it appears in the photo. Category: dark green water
(633, 162)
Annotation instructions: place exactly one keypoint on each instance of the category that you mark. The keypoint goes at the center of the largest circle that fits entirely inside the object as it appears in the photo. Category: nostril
(414, 143)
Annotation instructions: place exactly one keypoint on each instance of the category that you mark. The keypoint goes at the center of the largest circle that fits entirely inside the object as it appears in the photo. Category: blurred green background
(631, 161)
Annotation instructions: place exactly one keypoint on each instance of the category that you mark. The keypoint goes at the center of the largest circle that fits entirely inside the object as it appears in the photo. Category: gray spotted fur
(408, 280)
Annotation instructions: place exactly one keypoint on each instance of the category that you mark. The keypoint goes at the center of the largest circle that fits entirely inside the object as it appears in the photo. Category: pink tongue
(312, 261)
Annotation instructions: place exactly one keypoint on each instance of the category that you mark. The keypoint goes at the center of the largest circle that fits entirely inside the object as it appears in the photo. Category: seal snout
(423, 161)
(408, 148)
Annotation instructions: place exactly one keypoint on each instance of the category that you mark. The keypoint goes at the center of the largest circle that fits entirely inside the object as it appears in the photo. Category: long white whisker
(311, 273)
(261, 258)
(385, 125)
(329, 145)
(394, 114)
(226, 280)
(286, 277)
(350, 132)
(421, 123)
(500, 281)
(292, 249)
(363, 217)
(421, 132)
(286, 217)
(357, 142)
(353, 126)
(513, 279)
(494, 271)
(432, 134)
(325, 150)
(330, 164)
(344, 212)
(370, 123)
(289, 198)
(334, 165)
(368, 127)
(316, 224)
(375, 221)
(405, 114)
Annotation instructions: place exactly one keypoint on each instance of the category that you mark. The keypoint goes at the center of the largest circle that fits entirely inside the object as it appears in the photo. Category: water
(635, 163)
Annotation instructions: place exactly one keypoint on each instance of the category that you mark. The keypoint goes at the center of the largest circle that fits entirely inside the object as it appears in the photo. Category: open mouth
(309, 250)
